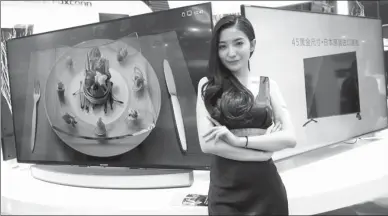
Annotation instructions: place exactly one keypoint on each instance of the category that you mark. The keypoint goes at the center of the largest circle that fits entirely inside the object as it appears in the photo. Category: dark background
(161, 148)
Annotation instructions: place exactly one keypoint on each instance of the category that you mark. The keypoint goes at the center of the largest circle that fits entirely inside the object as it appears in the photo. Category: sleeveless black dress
(248, 188)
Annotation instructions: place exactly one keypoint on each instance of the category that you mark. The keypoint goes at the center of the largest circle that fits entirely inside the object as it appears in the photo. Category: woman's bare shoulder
(202, 82)
(274, 88)
(275, 92)
(272, 81)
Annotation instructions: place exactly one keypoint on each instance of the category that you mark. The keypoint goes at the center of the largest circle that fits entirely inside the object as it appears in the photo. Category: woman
(236, 111)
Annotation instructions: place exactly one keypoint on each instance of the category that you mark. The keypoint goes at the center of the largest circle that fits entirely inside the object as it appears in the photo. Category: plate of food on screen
(103, 97)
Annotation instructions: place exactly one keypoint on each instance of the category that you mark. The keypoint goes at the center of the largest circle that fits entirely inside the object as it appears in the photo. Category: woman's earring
(253, 45)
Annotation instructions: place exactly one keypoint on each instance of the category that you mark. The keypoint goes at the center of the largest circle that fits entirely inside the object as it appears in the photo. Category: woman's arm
(219, 147)
(278, 140)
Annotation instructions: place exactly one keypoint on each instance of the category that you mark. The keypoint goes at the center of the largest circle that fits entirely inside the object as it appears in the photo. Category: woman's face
(234, 49)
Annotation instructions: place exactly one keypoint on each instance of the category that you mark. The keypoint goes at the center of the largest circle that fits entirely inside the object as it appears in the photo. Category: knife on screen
(171, 87)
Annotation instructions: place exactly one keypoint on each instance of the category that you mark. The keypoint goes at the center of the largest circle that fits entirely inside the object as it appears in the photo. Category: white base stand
(113, 177)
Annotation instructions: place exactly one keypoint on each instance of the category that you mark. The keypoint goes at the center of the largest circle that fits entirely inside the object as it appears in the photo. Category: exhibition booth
(73, 144)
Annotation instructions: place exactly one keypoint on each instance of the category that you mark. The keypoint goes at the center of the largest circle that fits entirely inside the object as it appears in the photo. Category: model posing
(242, 119)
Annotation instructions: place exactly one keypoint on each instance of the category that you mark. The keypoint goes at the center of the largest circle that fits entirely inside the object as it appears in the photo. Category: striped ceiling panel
(157, 5)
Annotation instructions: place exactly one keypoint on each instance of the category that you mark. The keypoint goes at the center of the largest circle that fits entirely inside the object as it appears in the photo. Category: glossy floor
(368, 208)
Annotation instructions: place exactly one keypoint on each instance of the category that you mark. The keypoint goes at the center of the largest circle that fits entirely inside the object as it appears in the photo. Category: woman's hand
(221, 133)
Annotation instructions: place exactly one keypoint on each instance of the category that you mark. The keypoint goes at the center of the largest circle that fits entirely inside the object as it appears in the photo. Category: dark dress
(248, 188)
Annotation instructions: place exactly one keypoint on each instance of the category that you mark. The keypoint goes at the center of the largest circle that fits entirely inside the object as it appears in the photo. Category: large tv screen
(115, 93)
(330, 71)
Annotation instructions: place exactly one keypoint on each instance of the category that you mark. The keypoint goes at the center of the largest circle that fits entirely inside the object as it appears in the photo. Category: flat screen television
(105, 93)
(329, 69)
(327, 77)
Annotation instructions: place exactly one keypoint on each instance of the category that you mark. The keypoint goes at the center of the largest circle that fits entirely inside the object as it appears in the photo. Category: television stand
(374, 136)
(112, 177)
(358, 116)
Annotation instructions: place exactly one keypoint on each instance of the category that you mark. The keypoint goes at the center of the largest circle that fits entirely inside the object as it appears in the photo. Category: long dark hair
(223, 94)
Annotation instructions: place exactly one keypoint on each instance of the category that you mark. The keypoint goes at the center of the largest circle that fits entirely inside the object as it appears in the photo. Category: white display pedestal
(336, 181)
(112, 177)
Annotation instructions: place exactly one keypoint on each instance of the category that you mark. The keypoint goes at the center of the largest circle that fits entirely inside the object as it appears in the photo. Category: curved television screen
(115, 93)
(330, 71)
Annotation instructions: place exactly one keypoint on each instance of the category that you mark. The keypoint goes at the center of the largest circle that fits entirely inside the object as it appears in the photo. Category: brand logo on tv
(190, 13)
(78, 3)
